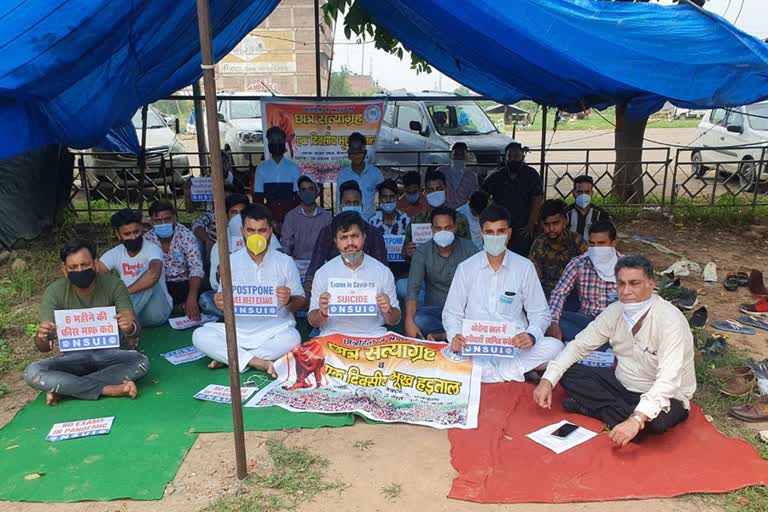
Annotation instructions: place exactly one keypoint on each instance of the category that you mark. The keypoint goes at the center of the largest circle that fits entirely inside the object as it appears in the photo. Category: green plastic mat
(149, 439)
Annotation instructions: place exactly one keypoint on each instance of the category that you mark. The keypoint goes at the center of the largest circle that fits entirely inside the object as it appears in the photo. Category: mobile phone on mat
(565, 430)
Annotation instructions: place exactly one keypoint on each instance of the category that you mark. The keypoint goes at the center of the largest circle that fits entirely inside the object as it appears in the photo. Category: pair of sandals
(742, 325)
(733, 281)
(738, 381)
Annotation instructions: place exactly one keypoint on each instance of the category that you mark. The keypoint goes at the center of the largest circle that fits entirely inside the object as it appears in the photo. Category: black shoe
(687, 299)
(571, 405)
(533, 376)
(699, 318)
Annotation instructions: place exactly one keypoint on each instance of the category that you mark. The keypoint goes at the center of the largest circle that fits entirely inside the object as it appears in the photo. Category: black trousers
(600, 392)
(178, 291)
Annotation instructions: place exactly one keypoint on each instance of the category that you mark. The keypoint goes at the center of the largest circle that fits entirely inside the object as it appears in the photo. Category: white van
(721, 131)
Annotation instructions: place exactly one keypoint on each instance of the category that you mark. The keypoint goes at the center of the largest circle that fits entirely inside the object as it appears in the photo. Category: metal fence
(667, 177)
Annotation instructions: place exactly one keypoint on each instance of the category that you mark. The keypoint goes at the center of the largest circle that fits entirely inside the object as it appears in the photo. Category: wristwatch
(639, 419)
(533, 338)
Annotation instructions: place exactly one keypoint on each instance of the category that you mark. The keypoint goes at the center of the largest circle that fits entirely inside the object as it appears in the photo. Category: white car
(733, 140)
(240, 130)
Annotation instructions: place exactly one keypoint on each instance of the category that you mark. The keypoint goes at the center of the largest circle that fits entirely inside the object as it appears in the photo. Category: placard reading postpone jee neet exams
(394, 245)
(202, 189)
(87, 329)
(421, 233)
(255, 299)
(352, 297)
(488, 339)
(81, 428)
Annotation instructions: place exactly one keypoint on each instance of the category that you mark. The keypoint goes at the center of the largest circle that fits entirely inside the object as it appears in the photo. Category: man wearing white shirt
(140, 266)
(367, 175)
(472, 210)
(655, 377)
(500, 286)
(352, 263)
(260, 339)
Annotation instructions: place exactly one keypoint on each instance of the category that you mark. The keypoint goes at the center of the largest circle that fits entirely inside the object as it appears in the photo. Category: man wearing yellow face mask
(267, 291)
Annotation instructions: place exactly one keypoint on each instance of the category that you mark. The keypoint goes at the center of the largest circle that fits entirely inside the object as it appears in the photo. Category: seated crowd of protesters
(570, 295)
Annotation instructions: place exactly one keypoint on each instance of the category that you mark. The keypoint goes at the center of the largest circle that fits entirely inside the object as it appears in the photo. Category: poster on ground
(317, 131)
(389, 378)
(80, 428)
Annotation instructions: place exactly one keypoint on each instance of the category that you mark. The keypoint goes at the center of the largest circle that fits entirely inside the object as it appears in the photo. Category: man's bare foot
(127, 388)
(51, 399)
(262, 364)
(215, 365)
(271, 370)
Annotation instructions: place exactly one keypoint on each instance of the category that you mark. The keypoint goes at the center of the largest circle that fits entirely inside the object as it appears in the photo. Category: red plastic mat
(498, 464)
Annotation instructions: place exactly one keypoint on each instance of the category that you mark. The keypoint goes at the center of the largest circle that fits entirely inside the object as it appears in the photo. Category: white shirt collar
(504, 264)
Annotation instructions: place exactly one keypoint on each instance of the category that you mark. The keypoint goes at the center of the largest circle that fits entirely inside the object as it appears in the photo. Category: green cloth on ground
(149, 439)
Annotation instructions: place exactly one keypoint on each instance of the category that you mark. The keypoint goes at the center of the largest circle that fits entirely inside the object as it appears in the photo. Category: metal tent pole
(544, 147)
(142, 159)
(318, 88)
(222, 237)
(202, 148)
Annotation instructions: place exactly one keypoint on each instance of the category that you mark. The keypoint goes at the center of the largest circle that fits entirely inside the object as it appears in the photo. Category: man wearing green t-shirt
(87, 374)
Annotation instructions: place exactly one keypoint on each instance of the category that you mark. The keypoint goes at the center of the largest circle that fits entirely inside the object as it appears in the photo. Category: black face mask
(514, 165)
(134, 244)
(82, 278)
(276, 148)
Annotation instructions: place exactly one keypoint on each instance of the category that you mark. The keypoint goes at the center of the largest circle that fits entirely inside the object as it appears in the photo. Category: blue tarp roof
(70, 70)
(575, 54)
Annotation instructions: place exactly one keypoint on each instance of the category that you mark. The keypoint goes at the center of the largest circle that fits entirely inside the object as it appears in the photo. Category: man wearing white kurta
(260, 339)
(500, 286)
(352, 263)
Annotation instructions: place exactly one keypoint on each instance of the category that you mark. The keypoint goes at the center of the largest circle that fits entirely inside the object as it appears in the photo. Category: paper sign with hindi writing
(352, 297)
(599, 359)
(202, 190)
(81, 428)
(488, 339)
(183, 355)
(184, 322)
(87, 329)
(222, 394)
(421, 233)
(255, 299)
(394, 245)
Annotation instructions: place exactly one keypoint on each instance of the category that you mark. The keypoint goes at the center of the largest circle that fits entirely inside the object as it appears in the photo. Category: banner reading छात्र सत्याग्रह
(317, 131)
(389, 378)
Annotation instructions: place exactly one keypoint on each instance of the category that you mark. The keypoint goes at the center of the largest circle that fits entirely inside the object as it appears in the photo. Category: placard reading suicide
(254, 299)
(352, 297)
(488, 339)
(87, 329)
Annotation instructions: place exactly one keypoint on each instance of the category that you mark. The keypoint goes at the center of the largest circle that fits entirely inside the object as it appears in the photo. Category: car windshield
(245, 109)
(465, 118)
(153, 120)
(761, 122)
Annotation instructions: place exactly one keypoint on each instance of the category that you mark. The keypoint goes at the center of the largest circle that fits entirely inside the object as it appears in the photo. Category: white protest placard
(81, 428)
(183, 355)
(255, 299)
(87, 329)
(558, 445)
(222, 394)
(598, 359)
(352, 297)
(394, 245)
(486, 338)
(236, 243)
(421, 233)
(202, 189)
(184, 322)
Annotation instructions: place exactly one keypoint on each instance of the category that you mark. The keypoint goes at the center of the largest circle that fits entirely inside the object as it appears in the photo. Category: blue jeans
(429, 319)
(151, 306)
(572, 323)
(401, 286)
(208, 305)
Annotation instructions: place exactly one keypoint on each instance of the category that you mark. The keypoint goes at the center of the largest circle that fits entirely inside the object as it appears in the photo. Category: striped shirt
(594, 293)
(465, 182)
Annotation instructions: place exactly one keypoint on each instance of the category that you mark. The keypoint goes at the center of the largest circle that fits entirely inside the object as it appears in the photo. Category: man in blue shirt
(367, 175)
(275, 183)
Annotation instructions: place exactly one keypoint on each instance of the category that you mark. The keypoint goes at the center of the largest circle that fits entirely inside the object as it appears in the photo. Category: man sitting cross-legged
(655, 377)
(501, 286)
(260, 339)
(86, 374)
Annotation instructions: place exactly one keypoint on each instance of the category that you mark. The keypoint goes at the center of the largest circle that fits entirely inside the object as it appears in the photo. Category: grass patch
(4, 389)
(392, 491)
(364, 445)
(297, 476)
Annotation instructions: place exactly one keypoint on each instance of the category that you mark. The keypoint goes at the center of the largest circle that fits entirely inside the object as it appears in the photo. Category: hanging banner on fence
(352, 297)
(317, 131)
(80, 428)
(254, 299)
(389, 378)
(87, 329)
(394, 245)
(488, 339)
(202, 189)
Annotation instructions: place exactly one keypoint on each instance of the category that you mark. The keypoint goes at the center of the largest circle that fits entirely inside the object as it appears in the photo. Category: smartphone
(565, 430)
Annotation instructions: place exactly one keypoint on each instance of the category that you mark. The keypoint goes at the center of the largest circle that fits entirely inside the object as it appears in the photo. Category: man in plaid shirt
(594, 274)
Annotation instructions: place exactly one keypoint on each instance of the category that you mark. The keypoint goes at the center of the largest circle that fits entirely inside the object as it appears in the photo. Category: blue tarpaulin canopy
(575, 54)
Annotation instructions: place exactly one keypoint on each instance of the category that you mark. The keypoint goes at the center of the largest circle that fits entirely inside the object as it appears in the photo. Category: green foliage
(340, 84)
(392, 491)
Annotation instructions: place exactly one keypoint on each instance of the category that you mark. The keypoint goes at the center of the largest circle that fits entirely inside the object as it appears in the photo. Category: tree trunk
(628, 184)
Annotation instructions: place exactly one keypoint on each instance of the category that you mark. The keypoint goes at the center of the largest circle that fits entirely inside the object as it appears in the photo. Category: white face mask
(495, 244)
(634, 311)
(443, 238)
(604, 260)
(436, 199)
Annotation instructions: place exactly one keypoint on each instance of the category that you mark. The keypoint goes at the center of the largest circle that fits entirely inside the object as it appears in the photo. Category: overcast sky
(392, 73)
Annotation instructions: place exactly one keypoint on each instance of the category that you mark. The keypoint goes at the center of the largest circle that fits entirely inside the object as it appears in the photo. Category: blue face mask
(387, 207)
(164, 230)
(583, 200)
(413, 198)
(358, 209)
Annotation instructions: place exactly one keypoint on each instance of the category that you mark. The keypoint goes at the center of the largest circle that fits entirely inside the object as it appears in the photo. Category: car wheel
(697, 166)
(747, 174)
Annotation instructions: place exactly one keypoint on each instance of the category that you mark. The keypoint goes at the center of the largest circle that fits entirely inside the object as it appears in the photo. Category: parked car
(421, 132)
(722, 131)
(240, 130)
(108, 170)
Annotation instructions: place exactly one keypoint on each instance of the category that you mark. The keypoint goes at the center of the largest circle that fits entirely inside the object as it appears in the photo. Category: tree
(462, 91)
(340, 84)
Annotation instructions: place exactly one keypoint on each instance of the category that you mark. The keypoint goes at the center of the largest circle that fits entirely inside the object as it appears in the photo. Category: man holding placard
(353, 294)
(496, 310)
(266, 291)
(90, 314)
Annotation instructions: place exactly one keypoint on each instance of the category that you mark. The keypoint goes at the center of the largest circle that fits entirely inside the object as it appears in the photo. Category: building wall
(281, 53)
